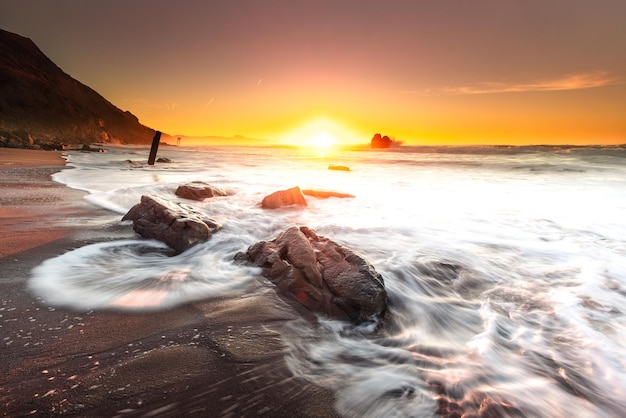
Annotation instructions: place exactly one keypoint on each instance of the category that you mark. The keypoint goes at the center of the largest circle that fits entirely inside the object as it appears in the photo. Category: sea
(505, 267)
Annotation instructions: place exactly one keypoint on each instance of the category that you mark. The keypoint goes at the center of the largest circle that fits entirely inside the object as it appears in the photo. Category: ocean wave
(505, 268)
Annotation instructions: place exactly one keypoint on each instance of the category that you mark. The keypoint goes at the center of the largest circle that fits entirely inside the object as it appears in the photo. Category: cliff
(43, 107)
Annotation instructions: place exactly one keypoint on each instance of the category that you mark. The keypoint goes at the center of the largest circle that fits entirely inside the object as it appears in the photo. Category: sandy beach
(211, 358)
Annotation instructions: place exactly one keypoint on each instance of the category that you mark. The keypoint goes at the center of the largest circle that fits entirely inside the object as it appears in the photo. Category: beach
(215, 357)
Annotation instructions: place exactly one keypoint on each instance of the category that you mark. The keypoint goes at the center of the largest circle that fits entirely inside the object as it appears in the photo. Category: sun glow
(320, 135)
(320, 143)
(322, 140)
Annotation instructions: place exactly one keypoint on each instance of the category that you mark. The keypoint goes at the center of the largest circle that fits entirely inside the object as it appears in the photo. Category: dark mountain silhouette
(43, 107)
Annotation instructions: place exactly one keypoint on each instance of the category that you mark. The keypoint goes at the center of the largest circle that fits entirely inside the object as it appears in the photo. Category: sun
(321, 136)
(322, 140)
(319, 142)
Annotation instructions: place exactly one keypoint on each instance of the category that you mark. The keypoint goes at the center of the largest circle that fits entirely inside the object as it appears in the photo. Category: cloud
(569, 82)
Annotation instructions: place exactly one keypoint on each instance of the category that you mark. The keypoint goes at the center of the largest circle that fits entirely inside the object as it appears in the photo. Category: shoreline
(220, 357)
(27, 193)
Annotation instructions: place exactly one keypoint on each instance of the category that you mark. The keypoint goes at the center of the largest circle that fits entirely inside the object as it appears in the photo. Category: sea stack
(381, 141)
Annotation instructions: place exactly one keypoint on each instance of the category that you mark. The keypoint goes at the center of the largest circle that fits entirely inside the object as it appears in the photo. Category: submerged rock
(324, 194)
(320, 274)
(89, 148)
(481, 405)
(199, 190)
(177, 225)
(282, 198)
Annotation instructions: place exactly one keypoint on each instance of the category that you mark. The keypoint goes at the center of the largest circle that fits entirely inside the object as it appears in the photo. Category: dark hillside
(41, 106)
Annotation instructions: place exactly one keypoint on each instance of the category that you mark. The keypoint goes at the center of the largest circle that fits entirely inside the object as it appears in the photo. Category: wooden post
(154, 148)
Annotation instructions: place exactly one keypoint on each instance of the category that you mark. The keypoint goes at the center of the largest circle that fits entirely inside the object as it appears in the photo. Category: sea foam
(505, 267)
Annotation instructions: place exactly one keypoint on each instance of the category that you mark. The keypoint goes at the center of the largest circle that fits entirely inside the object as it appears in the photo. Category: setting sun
(323, 140)
(321, 134)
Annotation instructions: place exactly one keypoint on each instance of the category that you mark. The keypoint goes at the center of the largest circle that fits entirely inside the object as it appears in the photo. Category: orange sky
(424, 72)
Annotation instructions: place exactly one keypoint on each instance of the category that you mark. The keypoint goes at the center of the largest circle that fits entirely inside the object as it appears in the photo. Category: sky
(422, 72)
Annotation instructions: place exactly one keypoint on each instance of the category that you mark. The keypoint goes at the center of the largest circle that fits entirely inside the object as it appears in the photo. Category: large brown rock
(199, 190)
(320, 274)
(177, 225)
(282, 198)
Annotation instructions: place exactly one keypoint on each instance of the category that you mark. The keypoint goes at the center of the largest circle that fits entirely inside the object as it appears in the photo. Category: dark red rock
(320, 274)
(282, 198)
(177, 225)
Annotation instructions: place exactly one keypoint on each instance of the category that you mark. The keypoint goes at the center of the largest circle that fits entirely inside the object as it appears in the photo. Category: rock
(14, 140)
(177, 225)
(134, 164)
(282, 198)
(320, 274)
(164, 160)
(89, 148)
(338, 167)
(324, 194)
(472, 404)
(199, 190)
(381, 142)
(442, 271)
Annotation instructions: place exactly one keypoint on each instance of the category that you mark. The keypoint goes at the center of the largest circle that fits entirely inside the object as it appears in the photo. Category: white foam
(530, 309)
(132, 275)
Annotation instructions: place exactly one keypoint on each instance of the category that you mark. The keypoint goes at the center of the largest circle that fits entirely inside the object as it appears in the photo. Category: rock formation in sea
(282, 198)
(199, 190)
(43, 107)
(320, 274)
(177, 225)
(379, 141)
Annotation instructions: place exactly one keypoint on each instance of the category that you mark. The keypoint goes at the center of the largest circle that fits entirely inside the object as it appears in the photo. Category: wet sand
(212, 358)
